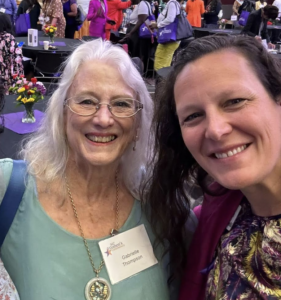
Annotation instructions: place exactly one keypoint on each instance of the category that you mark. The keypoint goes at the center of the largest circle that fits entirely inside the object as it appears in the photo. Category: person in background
(97, 14)
(70, 12)
(34, 9)
(194, 10)
(164, 52)
(256, 25)
(9, 7)
(52, 12)
(140, 47)
(260, 4)
(211, 14)
(10, 54)
(277, 3)
(115, 13)
(236, 5)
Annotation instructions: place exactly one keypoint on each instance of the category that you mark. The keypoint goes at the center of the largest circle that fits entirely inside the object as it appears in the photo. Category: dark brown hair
(271, 11)
(173, 165)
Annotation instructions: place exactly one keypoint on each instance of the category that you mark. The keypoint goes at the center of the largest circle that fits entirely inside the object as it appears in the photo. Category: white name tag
(233, 18)
(2, 10)
(127, 254)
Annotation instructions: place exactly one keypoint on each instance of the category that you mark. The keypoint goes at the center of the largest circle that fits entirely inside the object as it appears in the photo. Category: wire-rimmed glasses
(120, 108)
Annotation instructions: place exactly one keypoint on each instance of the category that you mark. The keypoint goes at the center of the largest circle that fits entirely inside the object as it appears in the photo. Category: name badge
(127, 254)
(233, 18)
(2, 10)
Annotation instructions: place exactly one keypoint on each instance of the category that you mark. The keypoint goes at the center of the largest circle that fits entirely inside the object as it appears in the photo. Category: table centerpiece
(29, 92)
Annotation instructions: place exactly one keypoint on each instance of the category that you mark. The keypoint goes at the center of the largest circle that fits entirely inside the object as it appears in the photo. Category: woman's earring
(135, 143)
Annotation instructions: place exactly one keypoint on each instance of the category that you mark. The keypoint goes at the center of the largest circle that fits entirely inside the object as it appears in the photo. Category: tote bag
(81, 16)
(177, 30)
(243, 17)
(22, 24)
(144, 31)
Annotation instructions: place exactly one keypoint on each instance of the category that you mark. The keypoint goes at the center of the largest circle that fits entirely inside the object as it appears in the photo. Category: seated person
(257, 23)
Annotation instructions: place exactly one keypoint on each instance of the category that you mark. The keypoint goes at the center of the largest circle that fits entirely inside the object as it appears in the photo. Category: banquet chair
(49, 63)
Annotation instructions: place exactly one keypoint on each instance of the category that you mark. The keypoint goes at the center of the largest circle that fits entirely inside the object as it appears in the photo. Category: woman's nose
(103, 116)
(217, 127)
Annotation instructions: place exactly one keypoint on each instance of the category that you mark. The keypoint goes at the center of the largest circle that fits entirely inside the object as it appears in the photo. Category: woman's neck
(265, 199)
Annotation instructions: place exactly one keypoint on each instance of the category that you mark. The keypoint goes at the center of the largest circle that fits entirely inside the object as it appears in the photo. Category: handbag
(22, 24)
(144, 31)
(80, 17)
(243, 17)
(168, 33)
(12, 198)
(175, 31)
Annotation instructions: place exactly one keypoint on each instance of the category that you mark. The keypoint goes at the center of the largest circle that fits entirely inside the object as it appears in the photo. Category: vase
(222, 26)
(51, 39)
(28, 116)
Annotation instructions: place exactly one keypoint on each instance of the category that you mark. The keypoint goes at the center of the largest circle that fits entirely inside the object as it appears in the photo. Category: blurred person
(70, 12)
(236, 5)
(9, 7)
(97, 14)
(194, 10)
(33, 7)
(260, 4)
(115, 13)
(52, 14)
(10, 54)
(256, 25)
(211, 13)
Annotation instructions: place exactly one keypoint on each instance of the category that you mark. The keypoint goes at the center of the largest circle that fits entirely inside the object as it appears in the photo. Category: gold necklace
(97, 288)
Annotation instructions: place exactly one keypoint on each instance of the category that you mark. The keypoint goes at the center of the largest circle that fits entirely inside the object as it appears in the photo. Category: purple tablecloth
(54, 43)
(14, 123)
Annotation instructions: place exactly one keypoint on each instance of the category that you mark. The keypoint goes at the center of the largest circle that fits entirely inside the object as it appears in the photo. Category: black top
(211, 17)
(33, 14)
(253, 24)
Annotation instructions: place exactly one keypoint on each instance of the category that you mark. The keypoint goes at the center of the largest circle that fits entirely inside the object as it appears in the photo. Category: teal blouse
(46, 262)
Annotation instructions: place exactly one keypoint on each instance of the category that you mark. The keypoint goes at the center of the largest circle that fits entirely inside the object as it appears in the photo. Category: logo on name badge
(113, 247)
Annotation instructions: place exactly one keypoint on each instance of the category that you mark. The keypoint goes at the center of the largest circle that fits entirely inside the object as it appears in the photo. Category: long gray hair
(46, 151)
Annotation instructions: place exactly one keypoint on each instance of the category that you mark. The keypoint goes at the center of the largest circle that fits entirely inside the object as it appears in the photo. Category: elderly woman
(79, 219)
(222, 129)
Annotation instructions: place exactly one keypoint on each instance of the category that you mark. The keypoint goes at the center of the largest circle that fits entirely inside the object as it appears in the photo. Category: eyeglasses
(120, 108)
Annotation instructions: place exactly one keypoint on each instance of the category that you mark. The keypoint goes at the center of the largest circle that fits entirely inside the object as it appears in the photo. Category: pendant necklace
(97, 288)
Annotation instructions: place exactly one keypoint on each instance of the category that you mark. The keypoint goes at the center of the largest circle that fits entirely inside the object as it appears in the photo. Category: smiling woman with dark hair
(222, 131)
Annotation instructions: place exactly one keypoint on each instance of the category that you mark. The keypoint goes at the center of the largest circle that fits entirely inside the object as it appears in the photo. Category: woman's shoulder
(6, 166)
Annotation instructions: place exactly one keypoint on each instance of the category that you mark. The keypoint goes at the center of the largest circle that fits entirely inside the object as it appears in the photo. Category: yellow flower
(30, 100)
(19, 97)
(24, 100)
(51, 30)
(20, 90)
(55, 28)
(31, 91)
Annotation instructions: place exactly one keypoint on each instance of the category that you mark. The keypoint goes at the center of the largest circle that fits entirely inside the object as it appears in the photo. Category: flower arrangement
(222, 23)
(50, 31)
(29, 92)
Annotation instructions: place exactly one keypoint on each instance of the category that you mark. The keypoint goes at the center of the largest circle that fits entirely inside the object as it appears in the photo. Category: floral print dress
(248, 260)
(7, 288)
(10, 59)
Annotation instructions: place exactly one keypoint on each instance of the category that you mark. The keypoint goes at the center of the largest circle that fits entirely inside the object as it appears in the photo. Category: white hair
(46, 151)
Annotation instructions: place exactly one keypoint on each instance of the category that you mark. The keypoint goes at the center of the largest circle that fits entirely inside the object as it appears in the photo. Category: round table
(29, 51)
(10, 141)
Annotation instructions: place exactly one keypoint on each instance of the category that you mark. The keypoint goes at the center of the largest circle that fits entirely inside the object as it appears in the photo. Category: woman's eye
(121, 104)
(87, 102)
(235, 102)
(191, 118)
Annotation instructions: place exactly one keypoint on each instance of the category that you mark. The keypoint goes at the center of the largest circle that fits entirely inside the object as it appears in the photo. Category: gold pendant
(98, 289)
